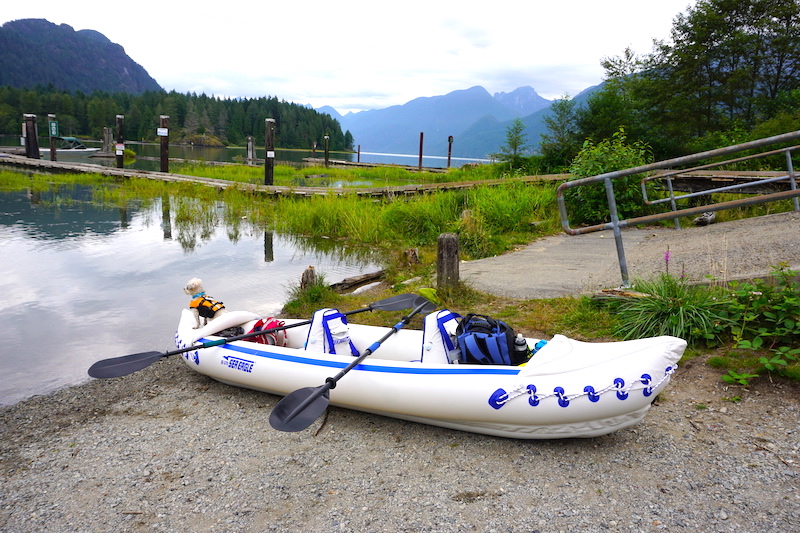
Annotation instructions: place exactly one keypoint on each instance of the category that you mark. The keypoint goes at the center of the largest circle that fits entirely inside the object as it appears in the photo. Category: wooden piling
(327, 150)
(421, 135)
(447, 260)
(269, 156)
(119, 149)
(251, 150)
(53, 134)
(31, 137)
(449, 149)
(163, 132)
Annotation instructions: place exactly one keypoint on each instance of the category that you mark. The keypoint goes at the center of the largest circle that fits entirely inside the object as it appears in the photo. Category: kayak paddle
(128, 364)
(298, 409)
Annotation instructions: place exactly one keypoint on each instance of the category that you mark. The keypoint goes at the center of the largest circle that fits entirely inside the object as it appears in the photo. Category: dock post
(31, 137)
(51, 120)
(359, 154)
(119, 149)
(327, 152)
(269, 156)
(251, 150)
(163, 132)
(421, 135)
(447, 260)
(108, 141)
(449, 149)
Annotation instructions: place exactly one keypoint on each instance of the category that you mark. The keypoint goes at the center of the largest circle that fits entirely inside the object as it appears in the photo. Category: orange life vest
(205, 306)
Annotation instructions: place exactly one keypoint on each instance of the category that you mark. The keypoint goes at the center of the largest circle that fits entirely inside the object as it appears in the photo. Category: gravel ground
(166, 449)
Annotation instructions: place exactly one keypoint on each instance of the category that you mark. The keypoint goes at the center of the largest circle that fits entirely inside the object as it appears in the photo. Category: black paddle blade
(423, 305)
(298, 410)
(395, 303)
(124, 365)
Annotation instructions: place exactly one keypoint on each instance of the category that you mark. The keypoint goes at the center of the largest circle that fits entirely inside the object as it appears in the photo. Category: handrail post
(612, 207)
(792, 182)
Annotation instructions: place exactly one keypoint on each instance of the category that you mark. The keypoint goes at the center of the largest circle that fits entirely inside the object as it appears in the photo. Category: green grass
(488, 220)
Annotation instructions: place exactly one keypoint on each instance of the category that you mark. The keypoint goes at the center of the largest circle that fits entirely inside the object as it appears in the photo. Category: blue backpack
(487, 341)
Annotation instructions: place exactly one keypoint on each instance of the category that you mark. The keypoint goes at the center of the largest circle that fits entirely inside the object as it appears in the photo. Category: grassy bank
(747, 342)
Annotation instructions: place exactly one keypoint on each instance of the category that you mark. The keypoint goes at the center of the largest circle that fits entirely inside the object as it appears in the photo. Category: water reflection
(83, 282)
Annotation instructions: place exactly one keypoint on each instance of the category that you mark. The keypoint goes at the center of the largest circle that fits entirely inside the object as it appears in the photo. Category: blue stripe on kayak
(422, 369)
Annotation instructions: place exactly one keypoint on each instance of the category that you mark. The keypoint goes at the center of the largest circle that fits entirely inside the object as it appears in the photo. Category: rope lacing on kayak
(618, 386)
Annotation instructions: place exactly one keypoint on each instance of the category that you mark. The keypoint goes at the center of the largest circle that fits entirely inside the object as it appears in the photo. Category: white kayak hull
(568, 389)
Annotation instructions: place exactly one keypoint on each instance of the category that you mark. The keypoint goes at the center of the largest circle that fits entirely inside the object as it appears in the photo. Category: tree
(561, 142)
(516, 144)
(726, 59)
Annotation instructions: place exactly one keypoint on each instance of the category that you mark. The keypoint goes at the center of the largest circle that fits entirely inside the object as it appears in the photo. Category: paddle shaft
(331, 382)
(127, 364)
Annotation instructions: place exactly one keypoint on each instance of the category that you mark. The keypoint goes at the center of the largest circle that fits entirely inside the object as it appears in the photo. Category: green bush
(765, 317)
(588, 204)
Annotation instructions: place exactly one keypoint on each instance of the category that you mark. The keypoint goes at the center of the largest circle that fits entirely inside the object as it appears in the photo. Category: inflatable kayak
(568, 388)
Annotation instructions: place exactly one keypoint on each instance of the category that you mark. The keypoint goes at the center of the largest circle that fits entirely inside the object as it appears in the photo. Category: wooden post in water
(53, 129)
(359, 154)
(327, 153)
(119, 149)
(31, 137)
(269, 253)
(269, 156)
(447, 260)
(108, 141)
(421, 135)
(251, 150)
(449, 149)
(163, 132)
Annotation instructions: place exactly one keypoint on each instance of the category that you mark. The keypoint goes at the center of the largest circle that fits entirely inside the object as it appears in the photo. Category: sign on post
(53, 128)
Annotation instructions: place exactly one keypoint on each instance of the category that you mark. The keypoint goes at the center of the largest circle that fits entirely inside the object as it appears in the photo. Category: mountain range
(37, 52)
(477, 120)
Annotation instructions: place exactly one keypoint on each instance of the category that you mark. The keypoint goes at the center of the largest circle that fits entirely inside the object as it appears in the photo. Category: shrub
(588, 204)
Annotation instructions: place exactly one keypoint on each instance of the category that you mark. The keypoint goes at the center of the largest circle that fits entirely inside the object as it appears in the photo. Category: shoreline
(167, 449)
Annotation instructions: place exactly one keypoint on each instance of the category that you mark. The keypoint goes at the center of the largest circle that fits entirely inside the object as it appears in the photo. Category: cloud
(370, 55)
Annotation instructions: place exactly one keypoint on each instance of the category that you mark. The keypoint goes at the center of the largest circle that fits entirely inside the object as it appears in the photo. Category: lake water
(82, 283)
(151, 154)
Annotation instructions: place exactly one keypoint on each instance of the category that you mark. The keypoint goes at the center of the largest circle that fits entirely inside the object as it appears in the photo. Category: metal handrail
(616, 224)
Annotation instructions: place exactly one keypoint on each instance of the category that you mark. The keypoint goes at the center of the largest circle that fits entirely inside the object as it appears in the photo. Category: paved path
(565, 265)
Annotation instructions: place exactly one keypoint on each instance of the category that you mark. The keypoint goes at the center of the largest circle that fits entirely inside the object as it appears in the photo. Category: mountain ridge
(477, 120)
(39, 52)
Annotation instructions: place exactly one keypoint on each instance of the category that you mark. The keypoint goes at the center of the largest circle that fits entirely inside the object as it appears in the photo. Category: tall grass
(671, 306)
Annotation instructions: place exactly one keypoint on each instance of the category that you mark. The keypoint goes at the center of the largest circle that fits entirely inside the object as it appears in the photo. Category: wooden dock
(41, 165)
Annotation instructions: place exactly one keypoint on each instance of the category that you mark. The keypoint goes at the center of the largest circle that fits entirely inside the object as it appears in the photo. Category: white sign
(271, 154)
(163, 132)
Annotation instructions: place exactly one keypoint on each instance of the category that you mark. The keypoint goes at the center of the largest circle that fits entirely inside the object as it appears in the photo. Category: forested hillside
(729, 73)
(37, 52)
(199, 118)
(86, 80)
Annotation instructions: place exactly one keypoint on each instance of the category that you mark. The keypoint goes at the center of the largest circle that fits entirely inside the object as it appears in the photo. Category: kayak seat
(329, 333)
(439, 344)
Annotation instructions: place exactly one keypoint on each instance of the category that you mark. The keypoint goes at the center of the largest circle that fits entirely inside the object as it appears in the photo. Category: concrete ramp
(565, 265)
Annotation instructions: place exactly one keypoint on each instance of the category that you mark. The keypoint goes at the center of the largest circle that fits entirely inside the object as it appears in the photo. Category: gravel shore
(169, 450)
(166, 449)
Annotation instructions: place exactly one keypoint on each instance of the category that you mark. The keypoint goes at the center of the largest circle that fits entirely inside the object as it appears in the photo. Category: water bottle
(521, 350)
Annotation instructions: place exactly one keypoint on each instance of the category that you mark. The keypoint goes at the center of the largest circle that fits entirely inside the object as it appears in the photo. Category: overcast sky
(356, 54)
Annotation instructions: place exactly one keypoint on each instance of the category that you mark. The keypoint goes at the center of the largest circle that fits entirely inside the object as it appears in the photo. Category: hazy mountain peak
(522, 100)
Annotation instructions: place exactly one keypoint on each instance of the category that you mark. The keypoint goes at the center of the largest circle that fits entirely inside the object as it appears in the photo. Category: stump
(447, 260)
(308, 279)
